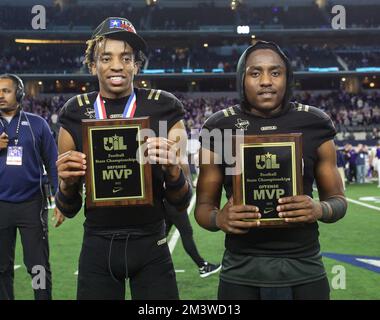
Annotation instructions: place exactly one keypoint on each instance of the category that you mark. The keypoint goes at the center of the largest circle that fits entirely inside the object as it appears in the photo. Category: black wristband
(214, 226)
(178, 184)
(333, 209)
(69, 206)
(65, 199)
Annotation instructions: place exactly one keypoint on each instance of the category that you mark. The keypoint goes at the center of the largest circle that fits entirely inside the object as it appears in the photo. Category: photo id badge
(14, 156)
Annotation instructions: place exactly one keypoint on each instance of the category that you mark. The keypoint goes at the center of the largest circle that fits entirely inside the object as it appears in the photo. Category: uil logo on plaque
(268, 167)
(115, 175)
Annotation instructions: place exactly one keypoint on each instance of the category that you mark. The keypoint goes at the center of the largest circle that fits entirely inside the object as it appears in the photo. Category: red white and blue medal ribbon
(130, 107)
(100, 110)
(129, 110)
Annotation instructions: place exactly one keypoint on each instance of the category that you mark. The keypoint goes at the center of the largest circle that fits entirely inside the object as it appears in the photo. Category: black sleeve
(175, 113)
(210, 135)
(321, 125)
(69, 119)
(327, 130)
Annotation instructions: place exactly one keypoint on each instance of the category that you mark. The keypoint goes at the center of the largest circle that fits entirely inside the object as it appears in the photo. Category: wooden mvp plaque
(117, 173)
(268, 167)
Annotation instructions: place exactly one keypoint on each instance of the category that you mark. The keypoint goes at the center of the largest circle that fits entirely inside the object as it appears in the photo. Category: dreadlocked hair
(91, 49)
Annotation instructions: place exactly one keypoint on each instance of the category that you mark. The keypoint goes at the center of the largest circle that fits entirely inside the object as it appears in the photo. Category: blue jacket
(340, 161)
(360, 158)
(22, 183)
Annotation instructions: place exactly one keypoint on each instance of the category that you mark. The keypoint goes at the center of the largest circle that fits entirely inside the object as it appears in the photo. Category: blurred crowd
(359, 164)
(349, 112)
(47, 107)
(46, 59)
(66, 58)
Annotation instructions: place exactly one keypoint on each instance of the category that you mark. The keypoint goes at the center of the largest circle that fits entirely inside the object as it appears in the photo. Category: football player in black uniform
(124, 242)
(271, 263)
(181, 221)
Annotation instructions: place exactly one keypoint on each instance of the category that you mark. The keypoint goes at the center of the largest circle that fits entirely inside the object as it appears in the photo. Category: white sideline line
(363, 204)
(372, 262)
(356, 202)
(179, 271)
(173, 240)
(17, 266)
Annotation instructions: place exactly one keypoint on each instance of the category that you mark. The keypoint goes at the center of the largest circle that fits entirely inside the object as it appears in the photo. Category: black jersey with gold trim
(316, 128)
(163, 109)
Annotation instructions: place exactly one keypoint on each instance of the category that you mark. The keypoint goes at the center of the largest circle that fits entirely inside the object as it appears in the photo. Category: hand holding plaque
(164, 152)
(116, 173)
(268, 167)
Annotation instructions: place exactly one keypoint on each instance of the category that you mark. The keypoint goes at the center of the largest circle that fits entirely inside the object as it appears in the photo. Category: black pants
(351, 173)
(26, 217)
(317, 290)
(107, 261)
(182, 222)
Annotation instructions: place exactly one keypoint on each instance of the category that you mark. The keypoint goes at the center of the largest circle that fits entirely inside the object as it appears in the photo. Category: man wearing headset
(271, 263)
(26, 144)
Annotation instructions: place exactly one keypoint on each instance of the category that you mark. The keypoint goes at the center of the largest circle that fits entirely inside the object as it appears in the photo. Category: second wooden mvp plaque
(268, 167)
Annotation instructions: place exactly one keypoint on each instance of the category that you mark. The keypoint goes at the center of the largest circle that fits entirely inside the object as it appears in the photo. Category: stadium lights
(205, 45)
(234, 4)
(368, 69)
(184, 71)
(44, 41)
(330, 69)
(243, 29)
(343, 79)
(153, 71)
(321, 3)
(40, 83)
(151, 2)
(253, 36)
(372, 84)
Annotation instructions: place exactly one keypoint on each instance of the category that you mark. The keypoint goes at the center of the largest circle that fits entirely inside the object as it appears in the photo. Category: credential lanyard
(17, 129)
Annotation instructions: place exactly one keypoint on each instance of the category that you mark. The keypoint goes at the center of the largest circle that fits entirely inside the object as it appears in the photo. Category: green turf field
(357, 234)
